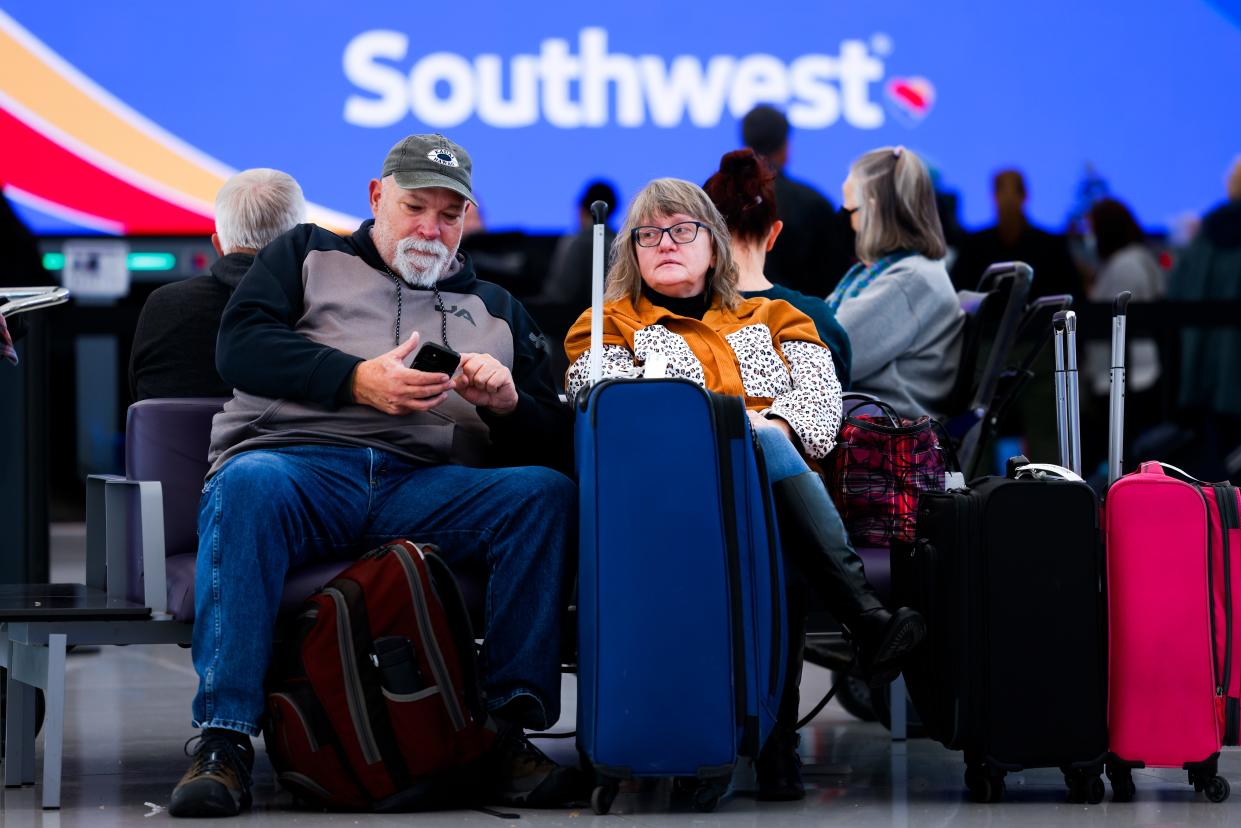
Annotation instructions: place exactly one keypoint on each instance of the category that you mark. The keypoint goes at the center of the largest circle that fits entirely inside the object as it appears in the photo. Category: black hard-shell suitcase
(1009, 574)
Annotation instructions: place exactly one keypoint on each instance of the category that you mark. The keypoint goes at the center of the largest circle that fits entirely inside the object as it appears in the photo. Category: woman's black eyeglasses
(683, 233)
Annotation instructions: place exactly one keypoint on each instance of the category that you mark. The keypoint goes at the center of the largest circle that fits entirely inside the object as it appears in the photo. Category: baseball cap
(419, 161)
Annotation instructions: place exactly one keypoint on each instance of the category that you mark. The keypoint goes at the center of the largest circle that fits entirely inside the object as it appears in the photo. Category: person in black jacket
(1014, 238)
(815, 248)
(332, 445)
(174, 342)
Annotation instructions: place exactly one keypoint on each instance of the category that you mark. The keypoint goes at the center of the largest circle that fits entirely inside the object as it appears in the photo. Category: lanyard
(859, 278)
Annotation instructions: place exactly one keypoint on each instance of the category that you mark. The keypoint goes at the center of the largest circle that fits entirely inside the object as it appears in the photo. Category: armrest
(20, 300)
(108, 533)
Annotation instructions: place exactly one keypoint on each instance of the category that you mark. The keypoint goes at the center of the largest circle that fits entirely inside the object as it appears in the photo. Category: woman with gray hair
(898, 305)
(672, 300)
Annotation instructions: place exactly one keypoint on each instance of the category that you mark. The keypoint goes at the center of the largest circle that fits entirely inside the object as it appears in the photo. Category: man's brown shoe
(218, 781)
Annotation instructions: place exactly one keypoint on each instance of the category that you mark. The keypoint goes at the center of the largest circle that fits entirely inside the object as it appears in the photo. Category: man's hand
(485, 382)
(384, 383)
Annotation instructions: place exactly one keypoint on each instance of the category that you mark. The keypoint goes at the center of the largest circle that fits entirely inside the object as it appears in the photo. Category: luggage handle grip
(1047, 468)
(598, 213)
(1162, 469)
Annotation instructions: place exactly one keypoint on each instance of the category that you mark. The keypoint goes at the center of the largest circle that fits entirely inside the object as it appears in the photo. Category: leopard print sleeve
(812, 406)
(617, 360)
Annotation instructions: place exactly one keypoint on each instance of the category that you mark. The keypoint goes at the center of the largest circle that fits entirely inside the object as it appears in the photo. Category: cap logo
(443, 155)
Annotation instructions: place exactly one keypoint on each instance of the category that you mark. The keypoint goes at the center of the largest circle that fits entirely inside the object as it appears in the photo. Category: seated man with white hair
(174, 343)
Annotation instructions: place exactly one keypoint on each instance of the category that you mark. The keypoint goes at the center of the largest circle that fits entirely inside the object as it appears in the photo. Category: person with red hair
(743, 190)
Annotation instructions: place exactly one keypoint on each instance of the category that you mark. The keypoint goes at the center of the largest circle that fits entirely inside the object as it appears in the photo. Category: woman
(1125, 263)
(743, 191)
(898, 305)
(672, 292)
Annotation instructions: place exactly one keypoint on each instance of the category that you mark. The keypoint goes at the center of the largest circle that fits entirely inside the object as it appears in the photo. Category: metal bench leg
(54, 723)
(19, 736)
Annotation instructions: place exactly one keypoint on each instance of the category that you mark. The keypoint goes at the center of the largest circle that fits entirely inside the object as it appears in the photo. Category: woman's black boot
(814, 538)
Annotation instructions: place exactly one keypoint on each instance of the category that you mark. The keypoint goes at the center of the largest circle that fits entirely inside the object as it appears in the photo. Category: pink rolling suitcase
(1174, 564)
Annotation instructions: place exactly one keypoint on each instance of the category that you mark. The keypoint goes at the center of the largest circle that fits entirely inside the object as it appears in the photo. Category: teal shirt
(830, 331)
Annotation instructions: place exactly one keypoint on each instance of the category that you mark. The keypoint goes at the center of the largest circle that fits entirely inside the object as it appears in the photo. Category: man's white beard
(410, 268)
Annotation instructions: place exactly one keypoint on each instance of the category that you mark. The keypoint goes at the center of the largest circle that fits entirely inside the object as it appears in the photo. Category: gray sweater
(905, 328)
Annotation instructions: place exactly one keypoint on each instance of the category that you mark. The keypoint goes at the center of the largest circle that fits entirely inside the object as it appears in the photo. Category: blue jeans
(267, 511)
(779, 455)
(783, 460)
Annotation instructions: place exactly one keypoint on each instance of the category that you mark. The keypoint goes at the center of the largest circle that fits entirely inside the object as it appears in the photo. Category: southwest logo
(911, 98)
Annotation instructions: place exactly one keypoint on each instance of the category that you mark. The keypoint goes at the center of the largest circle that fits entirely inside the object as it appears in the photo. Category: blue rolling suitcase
(681, 609)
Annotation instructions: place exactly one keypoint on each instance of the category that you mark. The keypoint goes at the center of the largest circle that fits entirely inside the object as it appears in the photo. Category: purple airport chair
(141, 543)
(166, 442)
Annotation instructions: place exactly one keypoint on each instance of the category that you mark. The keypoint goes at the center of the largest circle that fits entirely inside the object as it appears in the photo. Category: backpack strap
(446, 588)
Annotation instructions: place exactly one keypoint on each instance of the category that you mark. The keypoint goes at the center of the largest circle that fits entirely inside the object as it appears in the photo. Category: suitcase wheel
(602, 797)
(707, 797)
(985, 784)
(1123, 789)
(1217, 789)
(1085, 786)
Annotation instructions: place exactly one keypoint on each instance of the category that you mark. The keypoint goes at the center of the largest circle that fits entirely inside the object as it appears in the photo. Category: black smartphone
(436, 359)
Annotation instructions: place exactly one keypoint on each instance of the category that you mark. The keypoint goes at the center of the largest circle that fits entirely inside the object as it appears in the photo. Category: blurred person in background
(174, 342)
(898, 306)
(1125, 263)
(1014, 238)
(1210, 270)
(568, 280)
(473, 222)
(816, 246)
(743, 193)
(21, 266)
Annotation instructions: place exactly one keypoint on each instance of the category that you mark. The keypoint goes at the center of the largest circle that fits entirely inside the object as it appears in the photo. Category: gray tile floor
(128, 716)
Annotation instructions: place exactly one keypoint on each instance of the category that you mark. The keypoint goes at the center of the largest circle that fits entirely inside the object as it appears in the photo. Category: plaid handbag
(880, 466)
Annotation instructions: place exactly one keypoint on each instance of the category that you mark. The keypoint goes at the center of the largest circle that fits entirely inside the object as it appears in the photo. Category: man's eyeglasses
(683, 233)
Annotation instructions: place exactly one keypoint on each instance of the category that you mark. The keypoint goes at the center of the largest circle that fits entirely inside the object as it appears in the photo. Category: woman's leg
(814, 539)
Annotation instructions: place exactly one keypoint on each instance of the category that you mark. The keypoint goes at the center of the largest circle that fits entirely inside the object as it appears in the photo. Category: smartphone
(436, 359)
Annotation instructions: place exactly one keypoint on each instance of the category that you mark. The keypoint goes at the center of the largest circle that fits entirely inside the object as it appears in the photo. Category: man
(174, 343)
(568, 279)
(1209, 270)
(815, 247)
(331, 446)
(1014, 238)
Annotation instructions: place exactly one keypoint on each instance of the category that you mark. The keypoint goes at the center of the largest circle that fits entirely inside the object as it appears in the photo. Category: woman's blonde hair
(667, 197)
(896, 202)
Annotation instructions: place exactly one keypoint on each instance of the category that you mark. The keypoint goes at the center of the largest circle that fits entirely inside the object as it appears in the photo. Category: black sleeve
(540, 430)
(259, 351)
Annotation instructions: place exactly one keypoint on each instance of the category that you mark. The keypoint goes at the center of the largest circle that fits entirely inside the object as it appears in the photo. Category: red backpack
(373, 699)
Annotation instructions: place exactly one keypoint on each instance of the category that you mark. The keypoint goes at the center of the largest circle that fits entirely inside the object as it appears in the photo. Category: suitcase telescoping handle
(599, 212)
(1116, 400)
(1068, 414)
